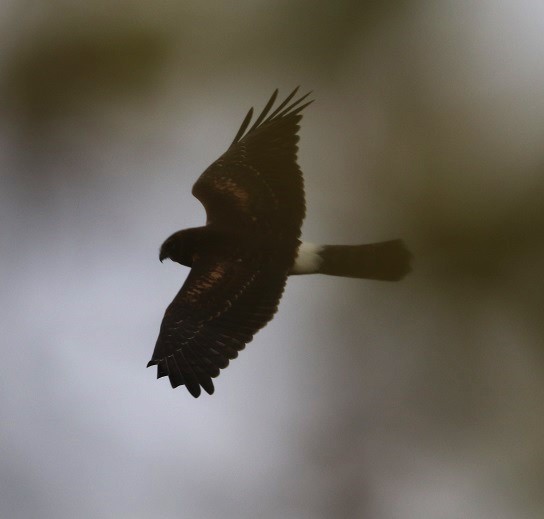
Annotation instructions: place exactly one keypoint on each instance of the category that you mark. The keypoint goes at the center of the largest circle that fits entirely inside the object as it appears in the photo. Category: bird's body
(240, 260)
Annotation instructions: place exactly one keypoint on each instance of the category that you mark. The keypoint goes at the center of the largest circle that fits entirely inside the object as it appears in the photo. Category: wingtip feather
(243, 126)
(282, 110)
(265, 111)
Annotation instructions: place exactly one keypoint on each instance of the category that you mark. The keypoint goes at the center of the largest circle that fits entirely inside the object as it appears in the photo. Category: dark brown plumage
(254, 200)
(240, 260)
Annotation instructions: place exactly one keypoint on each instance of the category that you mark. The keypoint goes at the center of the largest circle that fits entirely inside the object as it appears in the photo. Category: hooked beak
(162, 256)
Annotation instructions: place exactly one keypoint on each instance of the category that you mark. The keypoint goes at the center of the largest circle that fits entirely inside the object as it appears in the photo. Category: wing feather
(283, 103)
(257, 183)
(291, 108)
(192, 348)
(265, 111)
(243, 126)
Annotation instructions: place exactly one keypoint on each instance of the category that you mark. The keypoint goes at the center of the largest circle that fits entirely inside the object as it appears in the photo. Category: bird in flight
(240, 260)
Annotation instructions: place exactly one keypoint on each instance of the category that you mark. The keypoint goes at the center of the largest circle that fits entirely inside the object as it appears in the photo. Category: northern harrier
(254, 200)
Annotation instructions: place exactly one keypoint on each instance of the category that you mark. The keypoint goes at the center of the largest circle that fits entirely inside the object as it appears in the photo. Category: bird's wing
(256, 187)
(221, 305)
(257, 182)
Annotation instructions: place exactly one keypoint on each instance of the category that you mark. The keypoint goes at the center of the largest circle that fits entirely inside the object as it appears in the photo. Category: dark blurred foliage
(61, 70)
(56, 74)
(71, 61)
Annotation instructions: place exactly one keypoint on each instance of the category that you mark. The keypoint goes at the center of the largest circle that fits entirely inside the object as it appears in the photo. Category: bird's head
(179, 248)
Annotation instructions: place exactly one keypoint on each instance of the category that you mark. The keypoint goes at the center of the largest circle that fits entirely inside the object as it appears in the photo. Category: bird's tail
(386, 261)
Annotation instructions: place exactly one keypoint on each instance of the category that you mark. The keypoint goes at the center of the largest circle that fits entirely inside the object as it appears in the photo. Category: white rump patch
(308, 259)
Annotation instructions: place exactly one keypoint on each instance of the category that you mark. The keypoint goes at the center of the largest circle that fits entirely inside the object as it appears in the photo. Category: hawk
(240, 260)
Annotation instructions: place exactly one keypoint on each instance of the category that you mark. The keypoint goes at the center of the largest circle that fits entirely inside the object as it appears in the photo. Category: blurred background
(416, 400)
